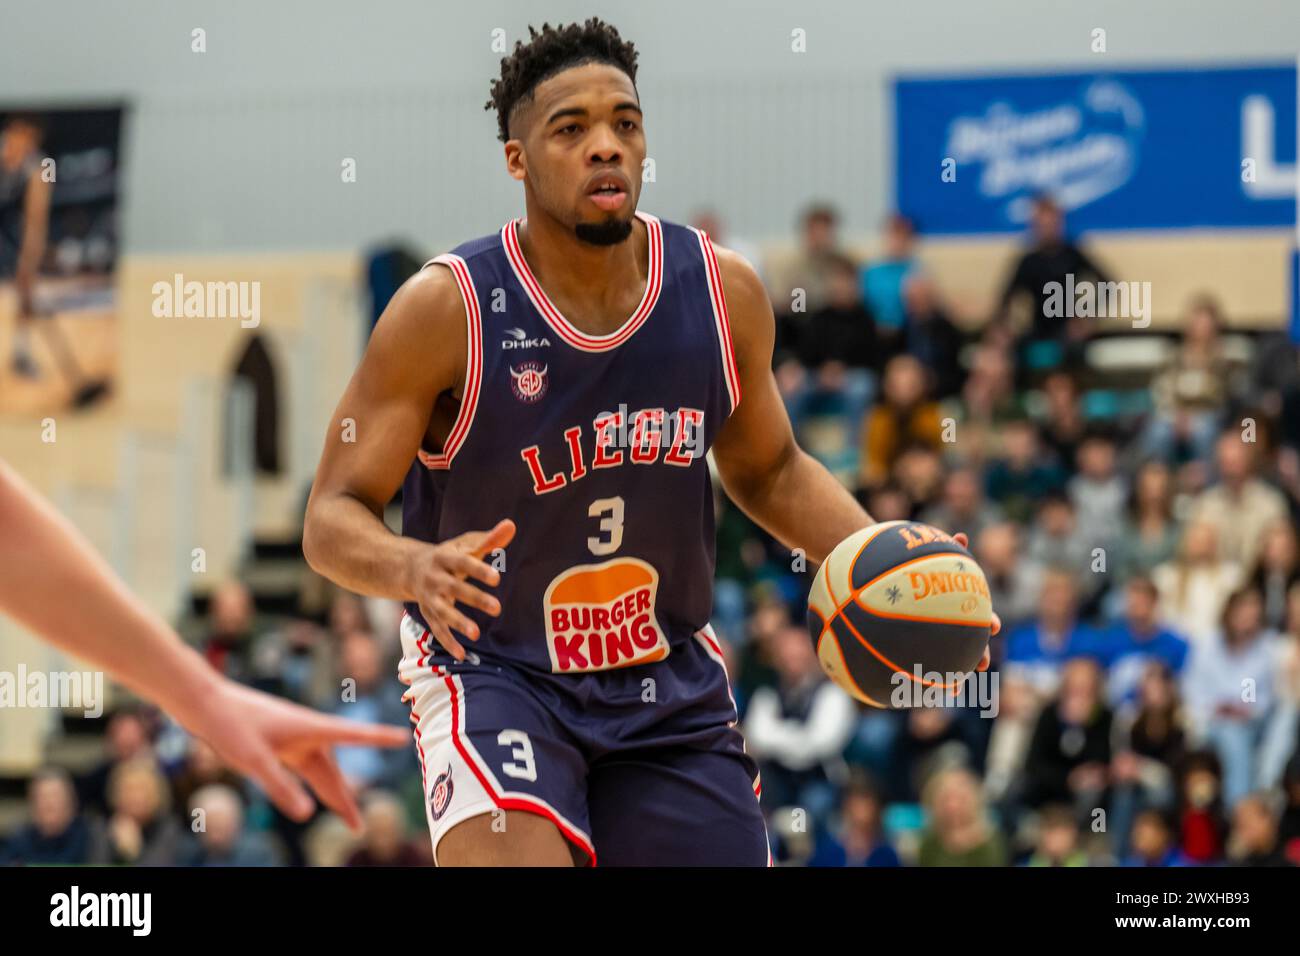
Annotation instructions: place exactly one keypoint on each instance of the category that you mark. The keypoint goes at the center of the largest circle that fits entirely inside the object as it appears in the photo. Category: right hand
(438, 581)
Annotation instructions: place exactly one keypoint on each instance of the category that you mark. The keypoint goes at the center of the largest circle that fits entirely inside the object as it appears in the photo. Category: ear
(516, 162)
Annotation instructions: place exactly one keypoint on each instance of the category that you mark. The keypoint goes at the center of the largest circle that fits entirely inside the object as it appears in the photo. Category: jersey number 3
(610, 513)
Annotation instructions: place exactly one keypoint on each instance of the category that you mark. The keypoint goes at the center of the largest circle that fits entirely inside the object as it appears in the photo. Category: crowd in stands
(1140, 545)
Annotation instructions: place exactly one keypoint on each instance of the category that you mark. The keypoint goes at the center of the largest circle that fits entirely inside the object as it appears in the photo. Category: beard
(608, 233)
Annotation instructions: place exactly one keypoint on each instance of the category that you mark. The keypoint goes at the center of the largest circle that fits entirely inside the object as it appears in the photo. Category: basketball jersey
(595, 446)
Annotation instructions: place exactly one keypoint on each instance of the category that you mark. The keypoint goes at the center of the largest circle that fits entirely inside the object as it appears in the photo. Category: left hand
(996, 625)
(265, 737)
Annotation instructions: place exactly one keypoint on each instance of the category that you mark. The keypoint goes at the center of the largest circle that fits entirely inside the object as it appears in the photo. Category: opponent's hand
(996, 626)
(265, 737)
(438, 579)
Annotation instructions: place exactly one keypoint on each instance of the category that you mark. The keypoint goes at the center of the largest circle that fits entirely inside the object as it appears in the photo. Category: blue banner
(1165, 149)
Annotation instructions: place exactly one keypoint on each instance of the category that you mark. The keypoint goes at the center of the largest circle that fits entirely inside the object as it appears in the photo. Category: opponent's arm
(54, 583)
(763, 470)
(416, 353)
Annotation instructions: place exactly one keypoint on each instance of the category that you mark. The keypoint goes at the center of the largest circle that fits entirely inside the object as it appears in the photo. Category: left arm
(763, 470)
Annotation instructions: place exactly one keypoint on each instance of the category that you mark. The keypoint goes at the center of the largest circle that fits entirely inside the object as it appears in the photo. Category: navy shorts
(638, 766)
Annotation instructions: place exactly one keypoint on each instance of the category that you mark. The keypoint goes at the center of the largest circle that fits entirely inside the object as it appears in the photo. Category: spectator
(903, 417)
(1153, 842)
(1069, 753)
(959, 832)
(842, 330)
(1276, 571)
(1150, 744)
(1240, 506)
(858, 840)
(1254, 837)
(1151, 533)
(369, 693)
(1191, 391)
(58, 834)
(228, 645)
(1099, 493)
(141, 830)
(800, 283)
(883, 279)
(930, 337)
(1020, 476)
(963, 507)
(221, 840)
(1050, 259)
(988, 402)
(1196, 584)
(1061, 424)
(1202, 825)
(385, 841)
(1289, 825)
(1283, 732)
(1056, 540)
(1058, 839)
(1037, 652)
(1230, 688)
(1015, 581)
(798, 729)
(128, 738)
(1133, 643)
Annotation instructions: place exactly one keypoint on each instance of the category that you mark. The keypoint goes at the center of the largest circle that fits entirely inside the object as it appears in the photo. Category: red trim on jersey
(473, 365)
(720, 317)
(513, 801)
(562, 326)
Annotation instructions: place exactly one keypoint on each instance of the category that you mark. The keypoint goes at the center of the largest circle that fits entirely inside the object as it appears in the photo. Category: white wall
(239, 148)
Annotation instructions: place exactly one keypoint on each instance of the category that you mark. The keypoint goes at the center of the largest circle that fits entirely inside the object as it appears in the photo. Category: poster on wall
(60, 181)
(1122, 150)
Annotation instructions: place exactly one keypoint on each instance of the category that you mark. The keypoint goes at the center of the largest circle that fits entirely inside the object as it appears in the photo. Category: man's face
(17, 139)
(578, 146)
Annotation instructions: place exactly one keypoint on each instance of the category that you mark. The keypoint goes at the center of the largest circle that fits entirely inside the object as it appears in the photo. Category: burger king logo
(602, 616)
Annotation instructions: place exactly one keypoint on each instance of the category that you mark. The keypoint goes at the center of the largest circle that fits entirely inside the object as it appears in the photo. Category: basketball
(899, 604)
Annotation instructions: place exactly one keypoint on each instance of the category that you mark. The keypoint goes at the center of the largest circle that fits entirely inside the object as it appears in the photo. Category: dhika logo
(519, 340)
(528, 381)
(440, 798)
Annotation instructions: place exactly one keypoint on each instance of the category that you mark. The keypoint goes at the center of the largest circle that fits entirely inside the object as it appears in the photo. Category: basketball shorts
(639, 766)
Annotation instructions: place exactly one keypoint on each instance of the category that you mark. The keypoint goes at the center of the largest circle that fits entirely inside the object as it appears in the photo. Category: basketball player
(549, 393)
(24, 223)
(54, 583)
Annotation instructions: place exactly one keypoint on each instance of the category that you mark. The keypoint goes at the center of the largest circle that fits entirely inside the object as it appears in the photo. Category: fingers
(281, 787)
(326, 728)
(449, 615)
(985, 661)
(961, 539)
(323, 774)
(440, 632)
(466, 593)
(468, 566)
(996, 625)
(498, 537)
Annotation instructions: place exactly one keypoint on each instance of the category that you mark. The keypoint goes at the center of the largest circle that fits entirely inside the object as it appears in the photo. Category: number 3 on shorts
(522, 767)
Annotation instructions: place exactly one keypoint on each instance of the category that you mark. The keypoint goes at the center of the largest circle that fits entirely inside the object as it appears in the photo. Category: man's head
(819, 225)
(21, 134)
(1047, 220)
(52, 801)
(569, 113)
(1141, 604)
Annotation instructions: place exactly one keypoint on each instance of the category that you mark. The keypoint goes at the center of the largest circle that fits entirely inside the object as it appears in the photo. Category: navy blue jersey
(595, 446)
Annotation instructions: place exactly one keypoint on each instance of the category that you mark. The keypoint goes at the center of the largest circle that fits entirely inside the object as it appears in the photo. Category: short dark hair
(550, 51)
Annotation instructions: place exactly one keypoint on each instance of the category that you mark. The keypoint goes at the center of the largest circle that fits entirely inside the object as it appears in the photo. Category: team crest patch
(440, 799)
(528, 381)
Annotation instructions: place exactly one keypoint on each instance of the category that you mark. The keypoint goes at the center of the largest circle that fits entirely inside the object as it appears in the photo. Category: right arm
(415, 354)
